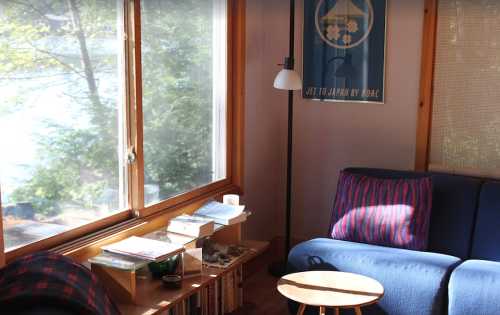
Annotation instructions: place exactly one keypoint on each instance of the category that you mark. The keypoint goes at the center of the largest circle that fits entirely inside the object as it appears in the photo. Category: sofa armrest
(474, 288)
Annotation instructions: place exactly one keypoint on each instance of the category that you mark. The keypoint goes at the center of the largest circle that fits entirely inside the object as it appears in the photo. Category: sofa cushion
(454, 203)
(414, 282)
(388, 212)
(487, 233)
(474, 288)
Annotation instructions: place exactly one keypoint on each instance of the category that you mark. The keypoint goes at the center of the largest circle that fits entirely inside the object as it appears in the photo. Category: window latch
(131, 156)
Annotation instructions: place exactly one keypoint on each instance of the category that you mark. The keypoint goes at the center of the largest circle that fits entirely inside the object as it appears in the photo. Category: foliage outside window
(63, 121)
(182, 57)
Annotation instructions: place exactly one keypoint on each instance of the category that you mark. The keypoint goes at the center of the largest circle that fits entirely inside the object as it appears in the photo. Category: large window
(66, 109)
(184, 93)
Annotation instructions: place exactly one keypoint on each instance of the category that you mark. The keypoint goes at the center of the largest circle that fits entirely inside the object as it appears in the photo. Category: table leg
(337, 311)
(322, 310)
(358, 311)
(302, 307)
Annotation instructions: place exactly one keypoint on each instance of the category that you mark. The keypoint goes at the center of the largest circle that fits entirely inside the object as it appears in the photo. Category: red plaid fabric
(49, 279)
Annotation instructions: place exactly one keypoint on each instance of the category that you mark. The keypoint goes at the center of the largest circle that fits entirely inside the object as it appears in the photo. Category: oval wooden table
(330, 289)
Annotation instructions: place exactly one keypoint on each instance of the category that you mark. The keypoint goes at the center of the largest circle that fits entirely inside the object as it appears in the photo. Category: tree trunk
(98, 108)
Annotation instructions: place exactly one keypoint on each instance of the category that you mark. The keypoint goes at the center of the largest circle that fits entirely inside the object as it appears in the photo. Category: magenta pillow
(387, 212)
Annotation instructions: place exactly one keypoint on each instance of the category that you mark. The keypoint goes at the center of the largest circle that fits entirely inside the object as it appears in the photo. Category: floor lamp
(288, 79)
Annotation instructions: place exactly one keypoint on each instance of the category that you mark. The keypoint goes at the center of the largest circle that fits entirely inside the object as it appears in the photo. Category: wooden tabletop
(330, 289)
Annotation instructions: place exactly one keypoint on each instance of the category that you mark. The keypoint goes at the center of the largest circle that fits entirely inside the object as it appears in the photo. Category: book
(216, 297)
(193, 305)
(118, 261)
(143, 248)
(169, 237)
(223, 293)
(229, 292)
(240, 285)
(199, 304)
(222, 213)
(195, 226)
(204, 307)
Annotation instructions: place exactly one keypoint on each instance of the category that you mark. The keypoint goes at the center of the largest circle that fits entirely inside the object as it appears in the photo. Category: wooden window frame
(85, 241)
(424, 118)
(2, 251)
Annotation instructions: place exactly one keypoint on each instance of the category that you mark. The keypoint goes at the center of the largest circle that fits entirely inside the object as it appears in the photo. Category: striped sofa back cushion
(388, 212)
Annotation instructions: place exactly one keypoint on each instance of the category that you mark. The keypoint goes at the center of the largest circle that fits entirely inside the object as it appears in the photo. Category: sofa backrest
(454, 208)
(486, 240)
(454, 203)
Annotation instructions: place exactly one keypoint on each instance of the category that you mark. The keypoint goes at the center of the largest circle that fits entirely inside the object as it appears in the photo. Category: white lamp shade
(288, 80)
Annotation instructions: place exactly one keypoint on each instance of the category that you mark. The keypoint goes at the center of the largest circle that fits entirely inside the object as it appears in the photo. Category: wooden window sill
(90, 245)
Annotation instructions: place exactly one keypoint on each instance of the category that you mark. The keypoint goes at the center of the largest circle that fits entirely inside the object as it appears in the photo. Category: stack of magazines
(135, 252)
(144, 249)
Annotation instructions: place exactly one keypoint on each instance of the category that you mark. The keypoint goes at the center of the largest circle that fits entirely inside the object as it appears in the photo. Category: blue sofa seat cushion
(474, 288)
(414, 282)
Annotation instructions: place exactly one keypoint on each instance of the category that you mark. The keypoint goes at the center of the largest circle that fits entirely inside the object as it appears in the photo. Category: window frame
(424, 115)
(139, 219)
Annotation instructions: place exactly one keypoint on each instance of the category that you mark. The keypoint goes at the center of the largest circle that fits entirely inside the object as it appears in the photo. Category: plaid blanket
(45, 279)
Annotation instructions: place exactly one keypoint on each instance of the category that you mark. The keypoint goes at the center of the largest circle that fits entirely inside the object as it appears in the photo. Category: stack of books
(222, 213)
(203, 222)
(144, 249)
(223, 296)
(191, 225)
(135, 252)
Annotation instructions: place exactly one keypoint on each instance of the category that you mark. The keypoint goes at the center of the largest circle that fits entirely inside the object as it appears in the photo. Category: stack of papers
(222, 213)
(144, 248)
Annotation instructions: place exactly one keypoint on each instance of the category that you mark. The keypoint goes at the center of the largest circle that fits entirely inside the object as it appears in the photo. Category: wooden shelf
(152, 298)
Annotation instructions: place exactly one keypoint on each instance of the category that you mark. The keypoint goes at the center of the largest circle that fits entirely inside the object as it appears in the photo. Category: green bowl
(167, 267)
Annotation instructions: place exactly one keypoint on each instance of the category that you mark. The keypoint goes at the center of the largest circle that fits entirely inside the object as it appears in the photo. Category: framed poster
(344, 50)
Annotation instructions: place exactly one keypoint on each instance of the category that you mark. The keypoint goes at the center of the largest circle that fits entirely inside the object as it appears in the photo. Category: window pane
(184, 95)
(466, 115)
(61, 99)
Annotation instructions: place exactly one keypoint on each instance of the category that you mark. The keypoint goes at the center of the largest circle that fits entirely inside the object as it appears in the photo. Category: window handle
(131, 156)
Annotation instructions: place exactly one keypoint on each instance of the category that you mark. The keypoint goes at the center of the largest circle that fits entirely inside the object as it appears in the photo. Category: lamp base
(277, 269)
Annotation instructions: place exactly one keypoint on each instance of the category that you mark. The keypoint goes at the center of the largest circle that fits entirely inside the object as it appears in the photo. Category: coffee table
(330, 289)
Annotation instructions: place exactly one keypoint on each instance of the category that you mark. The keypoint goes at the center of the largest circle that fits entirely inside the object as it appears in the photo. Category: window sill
(90, 245)
(85, 248)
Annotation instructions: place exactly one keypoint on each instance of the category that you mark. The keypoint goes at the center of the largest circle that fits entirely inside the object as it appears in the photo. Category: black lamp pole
(291, 55)
(278, 269)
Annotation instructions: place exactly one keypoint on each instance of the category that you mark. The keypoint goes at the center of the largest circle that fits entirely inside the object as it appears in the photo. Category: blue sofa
(458, 275)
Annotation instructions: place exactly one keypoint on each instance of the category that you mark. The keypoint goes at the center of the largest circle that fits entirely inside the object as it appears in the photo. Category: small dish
(172, 282)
